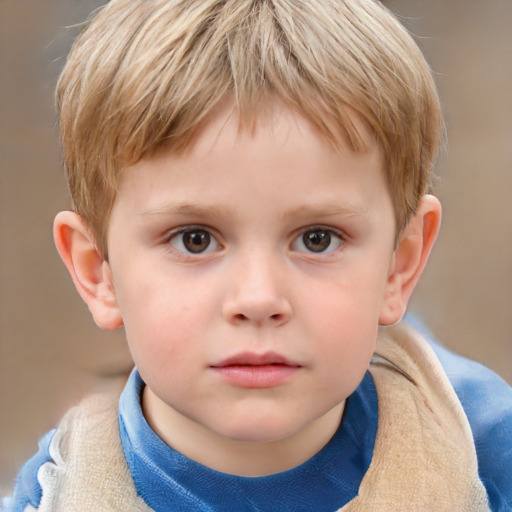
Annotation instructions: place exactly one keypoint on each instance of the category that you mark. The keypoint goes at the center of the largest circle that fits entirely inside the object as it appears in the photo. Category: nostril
(242, 318)
(257, 311)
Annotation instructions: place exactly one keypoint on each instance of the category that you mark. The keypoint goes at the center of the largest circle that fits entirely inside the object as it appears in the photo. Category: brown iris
(196, 241)
(317, 241)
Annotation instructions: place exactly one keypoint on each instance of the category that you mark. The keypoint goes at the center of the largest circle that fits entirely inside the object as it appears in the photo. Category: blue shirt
(167, 480)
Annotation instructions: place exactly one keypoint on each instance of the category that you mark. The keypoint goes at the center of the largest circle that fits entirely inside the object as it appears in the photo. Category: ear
(89, 271)
(410, 258)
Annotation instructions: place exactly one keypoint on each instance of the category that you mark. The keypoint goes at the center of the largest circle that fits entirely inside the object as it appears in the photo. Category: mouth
(258, 371)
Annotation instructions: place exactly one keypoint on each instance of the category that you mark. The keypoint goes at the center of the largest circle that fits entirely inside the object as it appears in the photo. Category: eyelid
(170, 233)
(322, 227)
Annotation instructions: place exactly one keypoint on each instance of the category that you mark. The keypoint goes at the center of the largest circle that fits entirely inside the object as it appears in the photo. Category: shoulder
(487, 401)
(82, 429)
(28, 490)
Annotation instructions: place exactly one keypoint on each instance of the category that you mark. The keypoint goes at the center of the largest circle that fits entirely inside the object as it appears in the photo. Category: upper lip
(255, 359)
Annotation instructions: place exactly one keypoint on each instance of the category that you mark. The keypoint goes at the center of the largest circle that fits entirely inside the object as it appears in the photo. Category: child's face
(250, 274)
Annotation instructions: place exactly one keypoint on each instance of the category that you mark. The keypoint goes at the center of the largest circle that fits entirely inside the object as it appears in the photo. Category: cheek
(344, 321)
(161, 321)
(348, 304)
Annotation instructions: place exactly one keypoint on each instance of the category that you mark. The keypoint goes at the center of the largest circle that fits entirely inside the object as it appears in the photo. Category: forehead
(280, 158)
(274, 129)
(226, 126)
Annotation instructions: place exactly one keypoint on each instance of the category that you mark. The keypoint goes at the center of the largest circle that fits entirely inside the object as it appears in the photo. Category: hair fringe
(150, 82)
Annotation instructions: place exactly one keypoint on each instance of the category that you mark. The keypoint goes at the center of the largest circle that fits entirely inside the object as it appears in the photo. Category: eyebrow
(327, 210)
(188, 209)
(303, 211)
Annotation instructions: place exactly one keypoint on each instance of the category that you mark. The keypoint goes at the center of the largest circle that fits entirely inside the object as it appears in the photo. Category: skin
(260, 280)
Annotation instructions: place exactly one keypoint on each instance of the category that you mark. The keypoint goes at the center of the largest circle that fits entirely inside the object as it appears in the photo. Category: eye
(318, 240)
(194, 241)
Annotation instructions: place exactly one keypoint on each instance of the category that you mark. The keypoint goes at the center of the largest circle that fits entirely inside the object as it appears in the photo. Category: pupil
(317, 241)
(196, 241)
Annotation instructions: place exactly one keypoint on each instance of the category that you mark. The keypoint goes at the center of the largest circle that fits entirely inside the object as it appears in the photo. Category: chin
(258, 431)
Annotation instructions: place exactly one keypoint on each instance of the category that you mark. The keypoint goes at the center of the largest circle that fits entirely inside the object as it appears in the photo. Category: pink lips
(250, 370)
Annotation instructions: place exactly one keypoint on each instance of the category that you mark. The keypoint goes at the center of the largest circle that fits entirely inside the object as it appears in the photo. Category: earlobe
(410, 258)
(90, 272)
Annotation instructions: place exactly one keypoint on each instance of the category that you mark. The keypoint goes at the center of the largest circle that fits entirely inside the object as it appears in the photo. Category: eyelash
(329, 234)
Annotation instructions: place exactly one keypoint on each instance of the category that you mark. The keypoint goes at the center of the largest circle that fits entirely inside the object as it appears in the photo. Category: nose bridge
(257, 292)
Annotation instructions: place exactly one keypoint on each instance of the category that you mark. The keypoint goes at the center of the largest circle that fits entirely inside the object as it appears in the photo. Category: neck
(239, 457)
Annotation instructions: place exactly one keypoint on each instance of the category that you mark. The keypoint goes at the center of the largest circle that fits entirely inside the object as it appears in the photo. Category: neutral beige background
(51, 352)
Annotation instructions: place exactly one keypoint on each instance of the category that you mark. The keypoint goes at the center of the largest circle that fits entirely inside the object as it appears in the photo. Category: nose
(257, 294)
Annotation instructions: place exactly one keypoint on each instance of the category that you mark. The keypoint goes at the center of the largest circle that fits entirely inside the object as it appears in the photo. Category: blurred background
(51, 353)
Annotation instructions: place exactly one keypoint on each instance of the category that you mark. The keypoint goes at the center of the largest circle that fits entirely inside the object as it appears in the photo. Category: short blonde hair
(146, 73)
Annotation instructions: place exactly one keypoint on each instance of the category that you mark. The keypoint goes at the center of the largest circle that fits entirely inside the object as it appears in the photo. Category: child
(250, 181)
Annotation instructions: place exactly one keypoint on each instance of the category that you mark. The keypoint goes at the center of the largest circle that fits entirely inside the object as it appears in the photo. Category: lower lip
(257, 376)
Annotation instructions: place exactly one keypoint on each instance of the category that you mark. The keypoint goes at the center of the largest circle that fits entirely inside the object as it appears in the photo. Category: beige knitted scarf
(424, 456)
